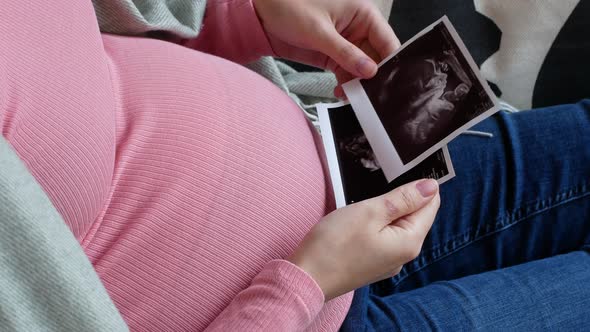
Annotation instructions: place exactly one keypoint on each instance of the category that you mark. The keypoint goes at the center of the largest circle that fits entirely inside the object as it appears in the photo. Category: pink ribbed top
(186, 178)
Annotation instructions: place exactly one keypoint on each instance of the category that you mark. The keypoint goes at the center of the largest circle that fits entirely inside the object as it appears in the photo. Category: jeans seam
(522, 213)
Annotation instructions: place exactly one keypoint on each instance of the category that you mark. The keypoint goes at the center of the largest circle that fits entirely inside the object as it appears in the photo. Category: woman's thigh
(550, 294)
(519, 196)
(510, 244)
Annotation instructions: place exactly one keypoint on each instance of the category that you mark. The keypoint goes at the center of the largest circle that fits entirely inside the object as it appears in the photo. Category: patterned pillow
(533, 52)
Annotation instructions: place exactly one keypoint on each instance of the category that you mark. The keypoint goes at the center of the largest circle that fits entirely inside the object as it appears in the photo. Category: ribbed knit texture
(182, 174)
(181, 19)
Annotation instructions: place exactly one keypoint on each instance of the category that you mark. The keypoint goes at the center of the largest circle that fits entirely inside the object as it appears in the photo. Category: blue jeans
(510, 247)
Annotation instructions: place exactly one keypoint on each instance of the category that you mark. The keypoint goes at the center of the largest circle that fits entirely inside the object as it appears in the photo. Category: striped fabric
(185, 177)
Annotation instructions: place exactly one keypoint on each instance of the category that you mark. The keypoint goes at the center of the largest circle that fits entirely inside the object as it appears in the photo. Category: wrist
(312, 271)
(260, 11)
(256, 4)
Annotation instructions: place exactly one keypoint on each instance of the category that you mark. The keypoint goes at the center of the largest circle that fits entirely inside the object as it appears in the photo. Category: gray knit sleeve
(182, 18)
(46, 280)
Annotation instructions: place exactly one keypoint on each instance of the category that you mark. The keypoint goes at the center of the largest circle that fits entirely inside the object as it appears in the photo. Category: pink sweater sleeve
(232, 30)
(282, 297)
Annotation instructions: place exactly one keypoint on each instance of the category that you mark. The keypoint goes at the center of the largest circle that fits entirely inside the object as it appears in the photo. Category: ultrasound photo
(355, 172)
(360, 173)
(423, 96)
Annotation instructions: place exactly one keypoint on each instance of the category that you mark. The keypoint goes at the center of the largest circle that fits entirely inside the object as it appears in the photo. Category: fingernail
(427, 187)
(364, 67)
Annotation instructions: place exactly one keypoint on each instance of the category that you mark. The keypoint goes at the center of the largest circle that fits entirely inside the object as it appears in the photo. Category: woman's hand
(370, 240)
(347, 37)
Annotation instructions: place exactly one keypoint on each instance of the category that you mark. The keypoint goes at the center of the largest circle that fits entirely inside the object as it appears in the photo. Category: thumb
(345, 54)
(404, 200)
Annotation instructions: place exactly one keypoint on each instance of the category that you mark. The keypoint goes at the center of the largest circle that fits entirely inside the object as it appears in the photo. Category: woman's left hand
(347, 37)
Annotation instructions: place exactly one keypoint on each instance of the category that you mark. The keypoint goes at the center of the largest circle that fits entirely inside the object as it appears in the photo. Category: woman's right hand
(368, 241)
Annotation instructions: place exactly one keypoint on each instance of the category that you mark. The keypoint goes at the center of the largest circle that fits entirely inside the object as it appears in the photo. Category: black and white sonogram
(423, 96)
(355, 172)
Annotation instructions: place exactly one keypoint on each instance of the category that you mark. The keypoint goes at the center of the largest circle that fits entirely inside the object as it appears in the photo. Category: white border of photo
(385, 151)
(332, 155)
(330, 148)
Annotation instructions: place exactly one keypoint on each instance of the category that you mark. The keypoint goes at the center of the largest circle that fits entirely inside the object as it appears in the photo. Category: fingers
(343, 76)
(406, 235)
(419, 222)
(303, 55)
(345, 54)
(382, 37)
(339, 92)
(403, 201)
(369, 50)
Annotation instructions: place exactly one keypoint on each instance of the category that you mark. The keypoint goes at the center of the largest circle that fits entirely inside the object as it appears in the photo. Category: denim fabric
(510, 247)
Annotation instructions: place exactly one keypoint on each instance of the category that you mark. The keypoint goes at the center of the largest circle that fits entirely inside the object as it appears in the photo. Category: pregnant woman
(198, 191)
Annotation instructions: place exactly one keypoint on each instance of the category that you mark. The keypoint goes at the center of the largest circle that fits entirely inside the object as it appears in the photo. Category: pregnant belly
(217, 172)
